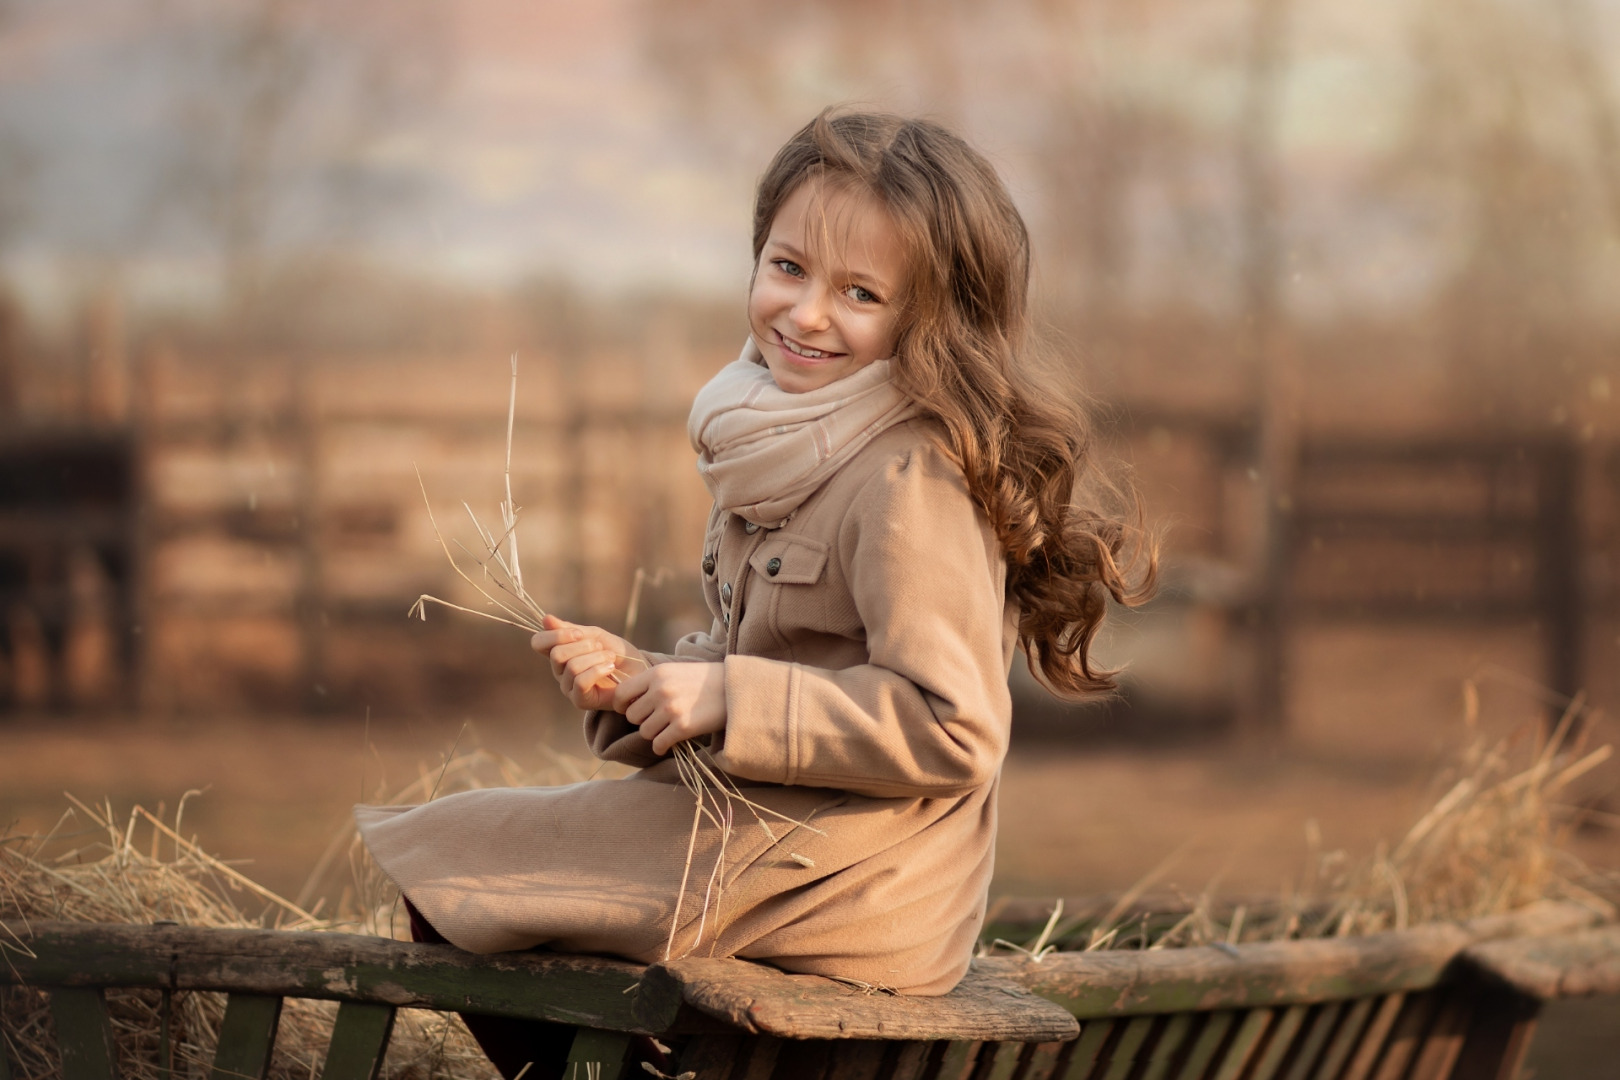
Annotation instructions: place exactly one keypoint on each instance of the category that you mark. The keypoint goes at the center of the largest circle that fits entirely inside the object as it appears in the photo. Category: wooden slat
(1207, 1045)
(911, 1061)
(1094, 1035)
(958, 1061)
(1244, 1042)
(1444, 1044)
(756, 1057)
(765, 1000)
(549, 986)
(246, 1037)
(1499, 1032)
(1318, 1029)
(1121, 1057)
(1172, 1038)
(857, 1059)
(1567, 965)
(607, 1050)
(709, 1057)
(1407, 1036)
(1371, 1043)
(1267, 974)
(1280, 1043)
(999, 1061)
(83, 1033)
(1344, 1039)
(1041, 1061)
(359, 1041)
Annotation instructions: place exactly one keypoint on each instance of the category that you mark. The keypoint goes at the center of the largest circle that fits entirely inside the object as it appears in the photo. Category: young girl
(892, 516)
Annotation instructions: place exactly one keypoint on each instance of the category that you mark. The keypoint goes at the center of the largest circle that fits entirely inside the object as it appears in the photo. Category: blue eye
(788, 266)
(861, 295)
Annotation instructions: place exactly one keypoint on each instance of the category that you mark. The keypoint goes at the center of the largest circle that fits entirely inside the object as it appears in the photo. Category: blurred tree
(280, 105)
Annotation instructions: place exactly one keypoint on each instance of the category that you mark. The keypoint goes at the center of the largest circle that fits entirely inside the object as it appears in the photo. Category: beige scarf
(762, 450)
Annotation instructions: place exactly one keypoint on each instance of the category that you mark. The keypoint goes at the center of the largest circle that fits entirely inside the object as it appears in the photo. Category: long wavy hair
(962, 354)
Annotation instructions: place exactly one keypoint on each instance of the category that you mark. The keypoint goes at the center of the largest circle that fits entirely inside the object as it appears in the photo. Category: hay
(1491, 842)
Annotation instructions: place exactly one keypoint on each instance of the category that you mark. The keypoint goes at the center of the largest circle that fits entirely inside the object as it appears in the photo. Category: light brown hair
(962, 355)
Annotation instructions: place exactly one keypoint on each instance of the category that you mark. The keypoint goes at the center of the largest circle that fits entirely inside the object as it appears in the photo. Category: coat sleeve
(613, 738)
(929, 713)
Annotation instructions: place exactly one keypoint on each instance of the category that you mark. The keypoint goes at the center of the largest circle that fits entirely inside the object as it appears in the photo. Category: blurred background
(1343, 281)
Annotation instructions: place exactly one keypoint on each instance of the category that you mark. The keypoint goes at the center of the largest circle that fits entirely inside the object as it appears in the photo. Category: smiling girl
(893, 517)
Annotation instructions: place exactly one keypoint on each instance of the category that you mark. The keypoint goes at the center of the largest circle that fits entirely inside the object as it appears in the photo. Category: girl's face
(826, 295)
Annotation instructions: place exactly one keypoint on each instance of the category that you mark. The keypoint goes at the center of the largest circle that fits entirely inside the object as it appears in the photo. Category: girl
(892, 516)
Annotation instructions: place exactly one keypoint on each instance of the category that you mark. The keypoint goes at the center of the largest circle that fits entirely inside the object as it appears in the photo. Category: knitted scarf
(762, 450)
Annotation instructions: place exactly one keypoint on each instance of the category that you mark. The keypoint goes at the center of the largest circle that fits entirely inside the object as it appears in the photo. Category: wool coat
(866, 646)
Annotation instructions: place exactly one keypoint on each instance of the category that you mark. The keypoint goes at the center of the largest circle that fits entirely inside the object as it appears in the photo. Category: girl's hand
(587, 661)
(674, 702)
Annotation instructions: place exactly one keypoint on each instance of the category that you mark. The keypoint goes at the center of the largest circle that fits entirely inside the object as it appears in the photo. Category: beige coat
(866, 646)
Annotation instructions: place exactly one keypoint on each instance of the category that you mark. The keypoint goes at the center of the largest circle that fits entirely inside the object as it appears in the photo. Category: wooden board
(1269, 974)
(585, 990)
(766, 1001)
(1568, 965)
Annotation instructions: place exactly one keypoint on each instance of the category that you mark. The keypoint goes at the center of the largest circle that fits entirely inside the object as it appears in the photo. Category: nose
(811, 311)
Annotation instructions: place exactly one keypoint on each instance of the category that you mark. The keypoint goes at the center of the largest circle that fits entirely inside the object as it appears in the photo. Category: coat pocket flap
(790, 560)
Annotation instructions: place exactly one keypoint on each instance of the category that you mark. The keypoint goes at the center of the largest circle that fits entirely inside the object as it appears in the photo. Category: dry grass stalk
(1490, 843)
(715, 796)
(92, 868)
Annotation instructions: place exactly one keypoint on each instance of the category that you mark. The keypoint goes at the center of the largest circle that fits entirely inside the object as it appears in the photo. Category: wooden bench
(1432, 1003)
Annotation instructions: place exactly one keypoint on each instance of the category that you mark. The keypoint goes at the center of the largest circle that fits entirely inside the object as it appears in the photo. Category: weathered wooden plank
(1243, 1044)
(1371, 1043)
(1171, 1039)
(1042, 1061)
(1406, 1036)
(1088, 1048)
(246, 1037)
(1444, 1044)
(606, 1050)
(1267, 974)
(550, 986)
(1121, 1055)
(709, 1057)
(857, 1059)
(1567, 965)
(911, 1061)
(1345, 1036)
(756, 1057)
(1320, 1026)
(1207, 1045)
(83, 1033)
(359, 1041)
(1281, 1041)
(764, 1000)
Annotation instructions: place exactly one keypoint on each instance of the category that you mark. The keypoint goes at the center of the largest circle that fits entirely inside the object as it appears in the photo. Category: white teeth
(808, 354)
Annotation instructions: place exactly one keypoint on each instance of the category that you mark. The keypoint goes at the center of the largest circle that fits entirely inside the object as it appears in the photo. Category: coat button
(726, 618)
(773, 567)
(725, 592)
(708, 564)
(750, 528)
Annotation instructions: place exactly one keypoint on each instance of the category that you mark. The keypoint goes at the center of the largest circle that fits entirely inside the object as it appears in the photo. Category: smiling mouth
(802, 350)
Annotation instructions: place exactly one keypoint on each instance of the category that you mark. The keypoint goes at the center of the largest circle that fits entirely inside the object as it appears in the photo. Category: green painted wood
(958, 1060)
(84, 1033)
(607, 1050)
(1243, 1044)
(1318, 1029)
(1122, 1055)
(1207, 1045)
(1171, 1039)
(359, 1041)
(1281, 1041)
(1042, 1061)
(1087, 1049)
(999, 1061)
(1344, 1039)
(575, 990)
(1406, 1037)
(1371, 1043)
(246, 1037)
